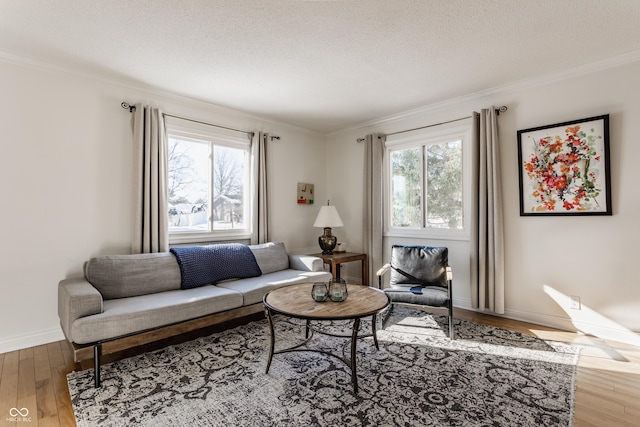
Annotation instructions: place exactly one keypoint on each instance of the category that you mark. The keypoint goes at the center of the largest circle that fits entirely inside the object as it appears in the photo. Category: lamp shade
(328, 217)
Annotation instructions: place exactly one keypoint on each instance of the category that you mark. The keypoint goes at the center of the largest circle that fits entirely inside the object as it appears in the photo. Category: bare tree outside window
(188, 184)
(180, 172)
(206, 185)
(228, 187)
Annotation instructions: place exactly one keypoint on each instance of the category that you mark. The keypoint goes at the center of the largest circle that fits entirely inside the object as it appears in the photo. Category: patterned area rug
(487, 376)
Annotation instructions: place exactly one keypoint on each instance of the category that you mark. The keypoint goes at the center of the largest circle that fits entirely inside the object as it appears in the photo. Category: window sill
(423, 234)
(182, 238)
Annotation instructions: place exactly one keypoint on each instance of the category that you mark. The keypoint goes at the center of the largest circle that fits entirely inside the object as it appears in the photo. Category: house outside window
(428, 179)
(208, 183)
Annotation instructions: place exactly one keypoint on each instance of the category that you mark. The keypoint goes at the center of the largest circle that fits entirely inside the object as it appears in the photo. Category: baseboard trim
(564, 323)
(31, 340)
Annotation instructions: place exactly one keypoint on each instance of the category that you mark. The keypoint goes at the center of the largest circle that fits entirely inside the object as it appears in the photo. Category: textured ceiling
(322, 65)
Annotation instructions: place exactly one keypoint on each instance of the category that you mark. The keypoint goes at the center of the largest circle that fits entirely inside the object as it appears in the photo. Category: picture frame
(305, 194)
(564, 168)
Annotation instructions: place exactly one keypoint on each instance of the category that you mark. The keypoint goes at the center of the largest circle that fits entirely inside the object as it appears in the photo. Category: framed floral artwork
(564, 168)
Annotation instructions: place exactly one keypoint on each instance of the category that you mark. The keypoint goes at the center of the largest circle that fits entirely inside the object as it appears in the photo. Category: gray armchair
(420, 275)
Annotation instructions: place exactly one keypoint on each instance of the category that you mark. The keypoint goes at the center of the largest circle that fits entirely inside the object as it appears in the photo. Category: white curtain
(487, 250)
(151, 229)
(373, 202)
(260, 201)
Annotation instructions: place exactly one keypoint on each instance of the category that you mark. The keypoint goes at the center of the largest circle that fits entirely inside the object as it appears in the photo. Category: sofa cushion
(271, 256)
(131, 315)
(122, 276)
(254, 289)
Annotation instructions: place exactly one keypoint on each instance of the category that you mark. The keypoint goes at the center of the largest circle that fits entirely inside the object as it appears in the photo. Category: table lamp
(328, 217)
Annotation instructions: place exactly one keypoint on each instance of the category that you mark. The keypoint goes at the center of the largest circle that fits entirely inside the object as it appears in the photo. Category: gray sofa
(125, 295)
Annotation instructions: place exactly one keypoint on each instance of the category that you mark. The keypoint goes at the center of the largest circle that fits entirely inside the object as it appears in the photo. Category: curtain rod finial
(127, 106)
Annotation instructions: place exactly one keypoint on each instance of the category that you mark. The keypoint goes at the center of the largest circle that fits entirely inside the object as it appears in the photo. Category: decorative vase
(319, 292)
(338, 291)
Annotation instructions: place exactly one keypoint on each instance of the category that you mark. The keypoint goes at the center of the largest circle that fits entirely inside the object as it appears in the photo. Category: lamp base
(327, 242)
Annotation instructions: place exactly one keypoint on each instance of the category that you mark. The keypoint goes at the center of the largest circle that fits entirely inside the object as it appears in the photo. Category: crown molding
(189, 102)
(153, 92)
(593, 67)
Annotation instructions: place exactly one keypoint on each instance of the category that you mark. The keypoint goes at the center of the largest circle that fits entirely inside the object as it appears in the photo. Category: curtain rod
(130, 107)
(498, 111)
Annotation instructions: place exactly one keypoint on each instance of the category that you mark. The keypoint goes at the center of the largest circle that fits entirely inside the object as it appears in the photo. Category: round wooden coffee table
(296, 301)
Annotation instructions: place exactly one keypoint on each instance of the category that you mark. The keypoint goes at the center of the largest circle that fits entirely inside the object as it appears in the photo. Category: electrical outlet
(575, 302)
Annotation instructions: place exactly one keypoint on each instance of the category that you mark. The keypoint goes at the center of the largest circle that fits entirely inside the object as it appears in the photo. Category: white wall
(65, 184)
(547, 258)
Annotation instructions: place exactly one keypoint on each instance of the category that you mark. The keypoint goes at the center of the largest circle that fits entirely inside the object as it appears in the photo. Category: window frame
(214, 136)
(422, 138)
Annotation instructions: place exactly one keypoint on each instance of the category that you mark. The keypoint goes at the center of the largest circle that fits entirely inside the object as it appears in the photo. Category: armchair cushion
(419, 266)
(432, 296)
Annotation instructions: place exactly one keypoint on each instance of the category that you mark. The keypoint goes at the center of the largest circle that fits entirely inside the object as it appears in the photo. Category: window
(428, 178)
(208, 183)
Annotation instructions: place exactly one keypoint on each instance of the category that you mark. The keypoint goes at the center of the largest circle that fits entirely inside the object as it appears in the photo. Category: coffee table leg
(354, 340)
(374, 319)
(272, 346)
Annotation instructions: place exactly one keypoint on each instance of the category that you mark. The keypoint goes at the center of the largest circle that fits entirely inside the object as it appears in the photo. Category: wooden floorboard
(61, 363)
(607, 378)
(45, 394)
(9, 385)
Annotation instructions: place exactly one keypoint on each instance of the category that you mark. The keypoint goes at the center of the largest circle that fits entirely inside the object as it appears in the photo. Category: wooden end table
(334, 260)
(295, 301)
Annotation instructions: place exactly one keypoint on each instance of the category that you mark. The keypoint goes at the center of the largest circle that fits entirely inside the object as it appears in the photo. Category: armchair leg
(450, 310)
(374, 330)
(451, 333)
(384, 316)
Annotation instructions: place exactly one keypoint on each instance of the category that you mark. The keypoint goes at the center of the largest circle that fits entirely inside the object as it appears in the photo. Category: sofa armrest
(306, 263)
(76, 298)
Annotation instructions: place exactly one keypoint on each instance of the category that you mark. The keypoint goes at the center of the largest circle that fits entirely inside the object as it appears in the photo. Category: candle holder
(319, 292)
(338, 291)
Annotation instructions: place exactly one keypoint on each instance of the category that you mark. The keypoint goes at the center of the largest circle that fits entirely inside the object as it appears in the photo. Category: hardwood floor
(607, 381)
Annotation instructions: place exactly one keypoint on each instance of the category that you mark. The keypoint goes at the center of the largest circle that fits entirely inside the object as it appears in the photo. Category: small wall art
(305, 193)
(564, 168)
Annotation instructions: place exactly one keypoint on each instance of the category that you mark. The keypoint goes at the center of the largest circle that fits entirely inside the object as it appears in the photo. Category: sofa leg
(97, 353)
